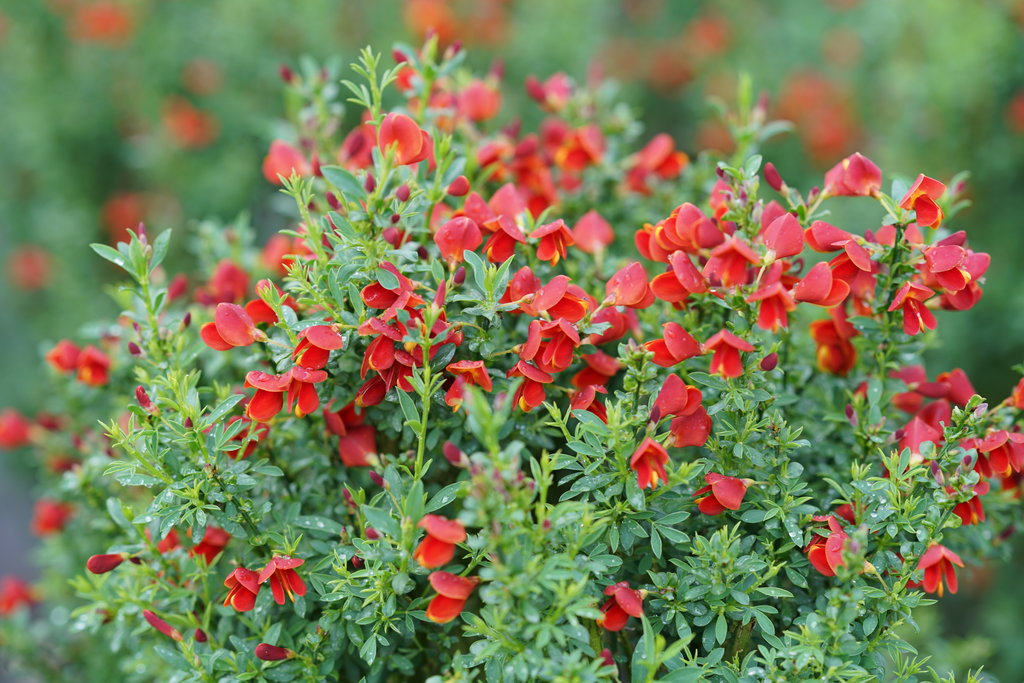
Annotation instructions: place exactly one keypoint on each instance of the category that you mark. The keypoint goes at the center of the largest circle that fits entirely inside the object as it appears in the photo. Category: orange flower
(452, 593)
(438, 546)
(648, 461)
(922, 199)
(284, 160)
(916, 316)
(555, 238)
(411, 144)
(93, 367)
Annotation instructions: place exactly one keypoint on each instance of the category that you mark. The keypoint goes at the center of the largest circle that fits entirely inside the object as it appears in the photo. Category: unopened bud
(535, 90)
(143, 398)
(272, 653)
(769, 362)
(460, 275)
(395, 217)
(851, 415)
(187, 320)
(200, 636)
(656, 414)
(101, 564)
(937, 473)
(372, 534)
(332, 201)
(398, 56)
(134, 349)
(348, 498)
(287, 75)
(771, 174)
(188, 423)
(357, 562)
(453, 454)
(315, 163)
(376, 478)
(161, 625)
(370, 184)
(402, 193)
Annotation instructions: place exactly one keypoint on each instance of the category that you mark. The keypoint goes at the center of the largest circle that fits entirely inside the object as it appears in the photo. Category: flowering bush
(509, 405)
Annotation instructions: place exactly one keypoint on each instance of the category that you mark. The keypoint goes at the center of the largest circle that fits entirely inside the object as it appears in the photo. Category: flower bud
(188, 423)
(398, 56)
(200, 636)
(937, 473)
(370, 184)
(134, 349)
(332, 201)
(357, 562)
(143, 398)
(460, 275)
(402, 193)
(161, 625)
(376, 478)
(453, 454)
(287, 75)
(769, 362)
(101, 564)
(395, 217)
(272, 653)
(372, 534)
(771, 175)
(186, 321)
(851, 415)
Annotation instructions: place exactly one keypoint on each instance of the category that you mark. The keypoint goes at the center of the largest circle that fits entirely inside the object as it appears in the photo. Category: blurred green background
(116, 111)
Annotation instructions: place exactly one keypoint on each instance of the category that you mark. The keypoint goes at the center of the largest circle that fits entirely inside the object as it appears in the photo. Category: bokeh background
(119, 111)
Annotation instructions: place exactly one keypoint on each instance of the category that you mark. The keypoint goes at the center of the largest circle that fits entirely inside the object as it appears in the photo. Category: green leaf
(109, 253)
(159, 249)
(345, 181)
(387, 279)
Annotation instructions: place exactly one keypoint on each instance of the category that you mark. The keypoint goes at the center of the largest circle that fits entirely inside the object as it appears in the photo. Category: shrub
(471, 435)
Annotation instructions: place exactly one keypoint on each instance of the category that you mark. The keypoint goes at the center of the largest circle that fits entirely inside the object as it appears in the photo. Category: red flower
(551, 345)
(93, 367)
(228, 284)
(457, 236)
(375, 295)
(658, 157)
(916, 316)
(835, 353)
(438, 546)
(674, 347)
(726, 493)
(921, 198)
(161, 625)
(284, 580)
(471, 372)
(452, 593)
(825, 552)
(680, 282)
(189, 126)
(783, 237)
(214, 541)
(819, 287)
(268, 400)
(854, 176)
(232, 326)
(14, 428)
(50, 517)
(726, 359)
(315, 346)
(938, 562)
(247, 438)
(63, 357)
(592, 232)
(479, 101)
(272, 653)
(581, 148)
(730, 263)
(243, 587)
(357, 446)
(102, 22)
(971, 511)
(29, 267)
(284, 160)
(648, 461)
(504, 236)
(629, 287)
(775, 306)
(411, 144)
(14, 593)
(555, 238)
(625, 602)
(530, 393)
